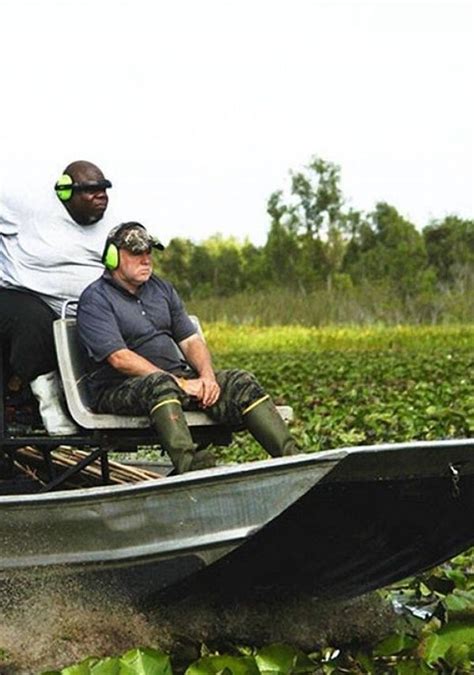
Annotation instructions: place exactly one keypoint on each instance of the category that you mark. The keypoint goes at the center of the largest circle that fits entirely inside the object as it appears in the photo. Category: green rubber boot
(203, 459)
(266, 425)
(173, 434)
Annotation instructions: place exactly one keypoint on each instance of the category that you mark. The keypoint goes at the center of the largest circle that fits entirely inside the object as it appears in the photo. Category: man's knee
(157, 387)
(240, 388)
(27, 324)
(138, 395)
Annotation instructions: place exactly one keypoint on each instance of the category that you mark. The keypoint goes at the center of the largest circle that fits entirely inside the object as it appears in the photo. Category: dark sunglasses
(91, 186)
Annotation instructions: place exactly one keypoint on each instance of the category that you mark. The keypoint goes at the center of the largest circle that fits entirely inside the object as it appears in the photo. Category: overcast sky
(198, 109)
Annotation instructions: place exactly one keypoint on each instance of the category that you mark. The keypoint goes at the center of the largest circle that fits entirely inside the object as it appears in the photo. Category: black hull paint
(346, 537)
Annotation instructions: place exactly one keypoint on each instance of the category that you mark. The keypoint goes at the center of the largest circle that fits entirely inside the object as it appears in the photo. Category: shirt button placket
(139, 302)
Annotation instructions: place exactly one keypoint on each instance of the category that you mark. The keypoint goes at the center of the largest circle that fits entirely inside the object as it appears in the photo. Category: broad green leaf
(284, 659)
(412, 667)
(366, 661)
(457, 656)
(454, 634)
(82, 668)
(424, 590)
(108, 666)
(460, 602)
(457, 576)
(145, 662)
(230, 665)
(394, 644)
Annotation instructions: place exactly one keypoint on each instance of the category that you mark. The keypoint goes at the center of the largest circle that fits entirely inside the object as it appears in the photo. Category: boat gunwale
(183, 481)
(230, 472)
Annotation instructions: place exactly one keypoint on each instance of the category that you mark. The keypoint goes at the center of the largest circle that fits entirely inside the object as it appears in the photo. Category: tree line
(315, 241)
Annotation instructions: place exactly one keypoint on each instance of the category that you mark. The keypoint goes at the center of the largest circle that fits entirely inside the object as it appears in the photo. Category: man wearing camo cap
(147, 357)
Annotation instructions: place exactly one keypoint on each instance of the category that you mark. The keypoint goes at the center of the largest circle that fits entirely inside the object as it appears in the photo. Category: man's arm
(131, 364)
(205, 388)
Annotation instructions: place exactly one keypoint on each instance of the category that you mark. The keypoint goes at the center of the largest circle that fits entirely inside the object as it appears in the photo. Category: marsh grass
(362, 306)
(225, 338)
(353, 385)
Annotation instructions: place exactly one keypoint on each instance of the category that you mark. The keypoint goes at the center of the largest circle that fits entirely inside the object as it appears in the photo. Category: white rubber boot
(47, 391)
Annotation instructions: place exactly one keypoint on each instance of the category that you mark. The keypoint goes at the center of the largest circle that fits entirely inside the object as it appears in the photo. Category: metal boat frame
(99, 433)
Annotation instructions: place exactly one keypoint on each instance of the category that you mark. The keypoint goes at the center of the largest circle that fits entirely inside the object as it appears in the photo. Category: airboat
(331, 524)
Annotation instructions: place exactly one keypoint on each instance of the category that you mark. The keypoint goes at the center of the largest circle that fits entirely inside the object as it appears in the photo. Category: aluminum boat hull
(331, 524)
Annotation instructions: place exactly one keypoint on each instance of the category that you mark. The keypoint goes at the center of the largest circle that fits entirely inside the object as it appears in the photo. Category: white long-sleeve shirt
(43, 250)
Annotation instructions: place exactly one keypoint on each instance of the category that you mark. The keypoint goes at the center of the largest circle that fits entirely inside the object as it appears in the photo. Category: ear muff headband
(64, 187)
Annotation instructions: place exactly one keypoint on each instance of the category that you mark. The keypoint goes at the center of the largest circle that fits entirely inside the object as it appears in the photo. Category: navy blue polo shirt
(150, 322)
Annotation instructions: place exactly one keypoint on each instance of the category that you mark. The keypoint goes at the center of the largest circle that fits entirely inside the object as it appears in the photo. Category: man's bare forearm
(198, 356)
(131, 364)
(205, 388)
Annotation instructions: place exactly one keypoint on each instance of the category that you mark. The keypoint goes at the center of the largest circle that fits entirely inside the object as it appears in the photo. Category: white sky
(198, 109)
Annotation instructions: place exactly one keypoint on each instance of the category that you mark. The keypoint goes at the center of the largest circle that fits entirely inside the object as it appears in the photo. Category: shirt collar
(108, 278)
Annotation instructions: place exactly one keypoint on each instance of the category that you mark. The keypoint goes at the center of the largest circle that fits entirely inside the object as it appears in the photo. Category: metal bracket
(455, 477)
(73, 470)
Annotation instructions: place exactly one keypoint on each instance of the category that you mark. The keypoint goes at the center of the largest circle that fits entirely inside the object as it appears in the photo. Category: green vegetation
(325, 263)
(351, 386)
(363, 305)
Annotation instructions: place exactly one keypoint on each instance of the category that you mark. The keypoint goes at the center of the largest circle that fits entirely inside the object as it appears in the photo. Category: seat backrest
(72, 361)
(73, 368)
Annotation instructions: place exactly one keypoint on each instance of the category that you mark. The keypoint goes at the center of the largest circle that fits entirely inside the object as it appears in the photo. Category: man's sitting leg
(243, 402)
(27, 323)
(159, 396)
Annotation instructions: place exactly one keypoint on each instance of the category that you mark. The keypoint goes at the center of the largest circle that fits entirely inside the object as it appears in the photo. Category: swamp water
(53, 623)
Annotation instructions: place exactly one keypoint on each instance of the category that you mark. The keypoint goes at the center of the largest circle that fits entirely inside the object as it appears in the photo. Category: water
(58, 623)
(52, 623)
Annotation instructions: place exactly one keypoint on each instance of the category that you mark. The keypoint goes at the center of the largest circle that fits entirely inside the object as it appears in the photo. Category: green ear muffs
(64, 187)
(111, 257)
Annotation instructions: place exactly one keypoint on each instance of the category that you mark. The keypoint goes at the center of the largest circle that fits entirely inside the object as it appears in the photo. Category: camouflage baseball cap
(134, 238)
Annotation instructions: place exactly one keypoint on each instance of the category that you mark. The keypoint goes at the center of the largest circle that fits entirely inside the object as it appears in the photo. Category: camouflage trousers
(139, 395)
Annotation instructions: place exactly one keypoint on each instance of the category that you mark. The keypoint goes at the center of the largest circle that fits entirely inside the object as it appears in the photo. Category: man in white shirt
(51, 245)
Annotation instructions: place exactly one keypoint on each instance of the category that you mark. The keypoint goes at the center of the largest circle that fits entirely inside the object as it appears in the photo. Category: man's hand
(210, 391)
(204, 389)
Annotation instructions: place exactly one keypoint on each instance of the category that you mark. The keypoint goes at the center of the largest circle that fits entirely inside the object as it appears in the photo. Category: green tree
(227, 265)
(281, 255)
(201, 273)
(174, 264)
(318, 200)
(386, 247)
(450, 248)
(310, 225)
(254, 270)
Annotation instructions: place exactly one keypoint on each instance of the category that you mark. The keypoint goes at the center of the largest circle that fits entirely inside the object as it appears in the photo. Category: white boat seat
(72, 360)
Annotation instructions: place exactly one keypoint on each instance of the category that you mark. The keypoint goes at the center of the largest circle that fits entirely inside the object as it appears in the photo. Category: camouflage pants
(139, 395)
